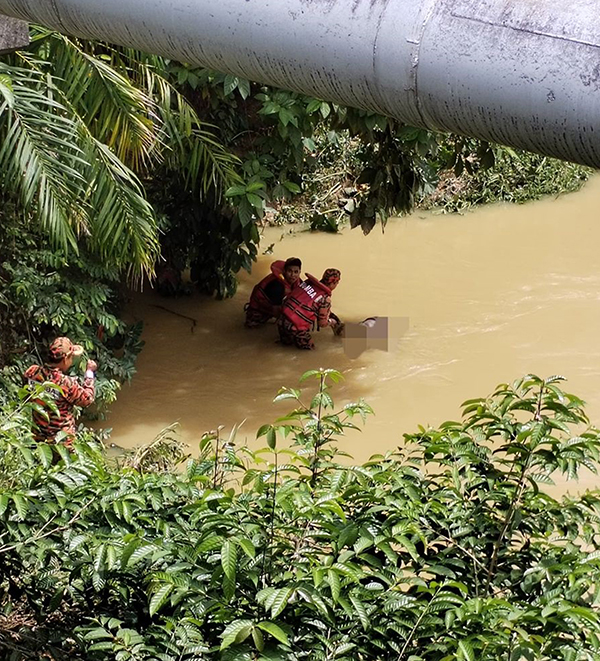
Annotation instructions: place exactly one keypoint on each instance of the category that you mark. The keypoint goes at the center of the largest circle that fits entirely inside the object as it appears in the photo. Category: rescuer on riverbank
(48, 422)
(267, 296)
(308, 307)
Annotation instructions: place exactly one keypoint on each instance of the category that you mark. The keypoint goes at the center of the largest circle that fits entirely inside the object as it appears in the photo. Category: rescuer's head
(62, 351)
(331, 278)
(291, 270)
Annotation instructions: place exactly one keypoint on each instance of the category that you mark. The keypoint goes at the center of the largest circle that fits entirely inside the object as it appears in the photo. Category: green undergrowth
(517, 176)
(46, 294)
(464, 180)
(447, 548)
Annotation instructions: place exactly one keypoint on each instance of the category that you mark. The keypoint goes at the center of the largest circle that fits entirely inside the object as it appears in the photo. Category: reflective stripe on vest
(300, 306)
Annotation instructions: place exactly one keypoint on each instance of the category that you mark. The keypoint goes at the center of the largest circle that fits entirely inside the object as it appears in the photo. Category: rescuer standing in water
(267, 296)
(47, 422)
(308, 307)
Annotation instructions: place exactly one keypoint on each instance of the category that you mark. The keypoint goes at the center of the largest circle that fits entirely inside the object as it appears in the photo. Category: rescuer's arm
(323, 312)
(336, 323)
(33, 374)
(78, 394)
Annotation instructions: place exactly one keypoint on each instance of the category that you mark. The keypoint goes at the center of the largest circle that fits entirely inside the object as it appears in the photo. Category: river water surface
(489, 296)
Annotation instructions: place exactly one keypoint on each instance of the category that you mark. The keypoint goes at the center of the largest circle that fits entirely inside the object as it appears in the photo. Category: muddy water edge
(490, 296)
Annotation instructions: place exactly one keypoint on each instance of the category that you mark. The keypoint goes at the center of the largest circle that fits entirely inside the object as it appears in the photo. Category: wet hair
(292, 261)
(330, 276)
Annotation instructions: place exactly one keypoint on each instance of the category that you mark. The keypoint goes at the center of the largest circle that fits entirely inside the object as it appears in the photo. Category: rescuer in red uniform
(308, 307)
(267, 296)
(47, 421)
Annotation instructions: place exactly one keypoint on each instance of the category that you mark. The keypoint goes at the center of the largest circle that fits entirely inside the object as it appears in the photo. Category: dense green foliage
(80, 123)
(446, 549)
(284, 141)
(304, 159)
(45, 294)
(516, 176)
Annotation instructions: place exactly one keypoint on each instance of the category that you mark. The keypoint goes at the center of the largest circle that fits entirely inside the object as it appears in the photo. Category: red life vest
(259, 299)
(300, 307)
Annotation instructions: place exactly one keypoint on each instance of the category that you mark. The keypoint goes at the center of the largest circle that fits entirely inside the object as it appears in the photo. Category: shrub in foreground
(447, 549)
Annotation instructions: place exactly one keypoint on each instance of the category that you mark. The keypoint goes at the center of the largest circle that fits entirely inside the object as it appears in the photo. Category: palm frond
(40, 157)
(6, 90)
(127, 103)
(193, 146)
(123, 225)
(117, 112)
(107, 112)
(74, 183)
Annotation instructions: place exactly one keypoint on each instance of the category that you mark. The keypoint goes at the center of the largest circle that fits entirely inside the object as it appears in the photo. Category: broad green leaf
(231, 631)
(98, 581)
(274, 630)
(140, 553)
(256, 201)
(313, 104)
(280, 600)
(292, 187)
(100, 647)
(247, 547)
(286, 395)
(127, 552)
(243, 88)
(21, 506)
(229, 558)
(334, 583)
(265, 597)
(229, 84)
(254, 186)
(97, 634)
(100, 557)
(3, 503)
(325, 109)
(235, 191)
(259, 641)
(160, 597)
(209, 544)
(360, 611)
(263, 430)
(271, 438)
(466, 650)
(44, 452)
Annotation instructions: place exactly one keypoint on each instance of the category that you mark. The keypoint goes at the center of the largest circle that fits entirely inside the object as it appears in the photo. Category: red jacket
(268, 299)
(308, 304)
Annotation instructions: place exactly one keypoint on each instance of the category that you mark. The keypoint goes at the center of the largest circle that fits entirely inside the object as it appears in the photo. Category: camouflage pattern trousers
(289, 335)
(256, 318)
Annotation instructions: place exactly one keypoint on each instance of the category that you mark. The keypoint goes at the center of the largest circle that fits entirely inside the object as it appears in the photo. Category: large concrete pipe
(14, 34)
(524, 73)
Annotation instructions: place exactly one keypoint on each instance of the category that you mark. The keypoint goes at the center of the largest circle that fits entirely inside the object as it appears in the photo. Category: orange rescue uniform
(71, 393)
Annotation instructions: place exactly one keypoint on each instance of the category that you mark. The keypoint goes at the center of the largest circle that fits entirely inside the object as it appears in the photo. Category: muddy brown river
(489, 296)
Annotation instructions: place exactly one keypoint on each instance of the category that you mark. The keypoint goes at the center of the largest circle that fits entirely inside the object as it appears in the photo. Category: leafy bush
(501, 175)
(446, 549)
(45, 295)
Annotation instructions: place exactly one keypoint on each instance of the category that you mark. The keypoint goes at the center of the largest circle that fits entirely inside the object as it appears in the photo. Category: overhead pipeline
(524, 73)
